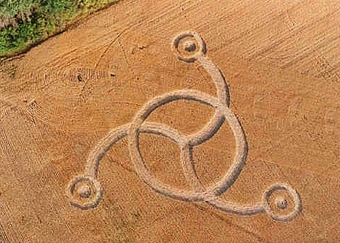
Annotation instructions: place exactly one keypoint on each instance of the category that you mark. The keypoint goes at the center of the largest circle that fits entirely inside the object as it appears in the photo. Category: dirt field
(280, 61)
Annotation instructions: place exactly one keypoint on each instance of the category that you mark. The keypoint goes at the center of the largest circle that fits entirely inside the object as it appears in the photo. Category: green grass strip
(25, 23)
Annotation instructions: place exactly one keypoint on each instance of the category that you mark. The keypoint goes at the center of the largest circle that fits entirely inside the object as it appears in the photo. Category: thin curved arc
(231, 174)
(181, 94)
(181, 195)
(105, 144)
(233, 171)
(231, 207)
(241, 152)
(150, 179)
(218, 79)
(218, 203)
(102, 147)
(210, 129)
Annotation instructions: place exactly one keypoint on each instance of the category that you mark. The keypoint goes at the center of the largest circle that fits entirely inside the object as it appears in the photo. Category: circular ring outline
(294, 194)
(93, 202)
(223, 184)
(190, 58)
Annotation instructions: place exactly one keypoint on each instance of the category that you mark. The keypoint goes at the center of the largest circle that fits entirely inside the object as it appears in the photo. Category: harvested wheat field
(176, 121)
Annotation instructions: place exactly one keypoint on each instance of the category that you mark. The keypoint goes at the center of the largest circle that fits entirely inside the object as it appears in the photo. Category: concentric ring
(293, 193)
(88, 201)
(191, 57)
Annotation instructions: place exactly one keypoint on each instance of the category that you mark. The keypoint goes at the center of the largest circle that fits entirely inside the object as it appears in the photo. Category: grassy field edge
(45, 22)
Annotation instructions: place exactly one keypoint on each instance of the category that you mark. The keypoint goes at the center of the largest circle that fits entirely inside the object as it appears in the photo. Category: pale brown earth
(281, 60)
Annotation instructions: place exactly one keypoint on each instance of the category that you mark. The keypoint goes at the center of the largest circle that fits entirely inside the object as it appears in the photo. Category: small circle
(281, 202)
(279, 216)
(84, 192)
(189, 46)
(194, 46)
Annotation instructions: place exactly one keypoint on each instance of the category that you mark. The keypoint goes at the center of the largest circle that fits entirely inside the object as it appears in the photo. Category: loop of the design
(157, 185)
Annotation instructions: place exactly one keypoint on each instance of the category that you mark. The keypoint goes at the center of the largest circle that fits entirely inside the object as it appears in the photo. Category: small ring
(293, 193)
(195, 55)
(90, 200)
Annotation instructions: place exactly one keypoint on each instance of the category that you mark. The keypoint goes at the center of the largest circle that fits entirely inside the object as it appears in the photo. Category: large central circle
(215, 190)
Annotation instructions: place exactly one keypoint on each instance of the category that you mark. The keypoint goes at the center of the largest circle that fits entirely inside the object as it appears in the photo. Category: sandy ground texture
(280, 60)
